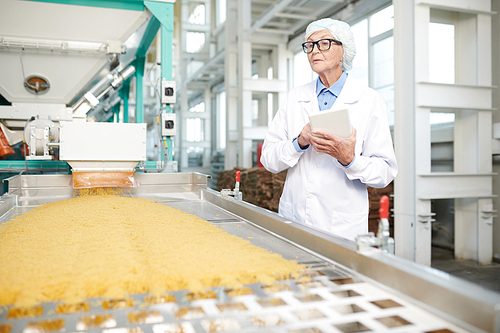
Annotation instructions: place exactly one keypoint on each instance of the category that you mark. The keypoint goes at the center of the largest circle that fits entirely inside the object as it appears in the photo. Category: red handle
(238, 174)
(384, 207)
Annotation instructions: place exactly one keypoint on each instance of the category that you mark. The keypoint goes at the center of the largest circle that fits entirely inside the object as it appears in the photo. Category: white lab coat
(319, 191)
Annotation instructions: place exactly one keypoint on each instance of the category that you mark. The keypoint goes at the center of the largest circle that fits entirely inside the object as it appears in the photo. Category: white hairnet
(340, 31)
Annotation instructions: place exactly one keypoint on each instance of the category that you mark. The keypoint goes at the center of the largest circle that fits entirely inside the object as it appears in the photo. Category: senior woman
(327, 175)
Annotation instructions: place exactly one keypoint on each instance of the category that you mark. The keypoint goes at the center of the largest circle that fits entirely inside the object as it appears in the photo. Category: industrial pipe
(111, 81)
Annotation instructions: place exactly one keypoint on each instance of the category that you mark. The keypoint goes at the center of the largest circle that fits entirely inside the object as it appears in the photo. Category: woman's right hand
(305, 136)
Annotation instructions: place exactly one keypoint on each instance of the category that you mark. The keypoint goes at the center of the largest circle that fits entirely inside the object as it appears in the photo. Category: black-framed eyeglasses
(322, 45)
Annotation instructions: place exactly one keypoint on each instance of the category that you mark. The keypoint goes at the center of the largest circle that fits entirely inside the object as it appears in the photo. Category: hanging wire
(164, 147)
(156, 83)
(26, 83)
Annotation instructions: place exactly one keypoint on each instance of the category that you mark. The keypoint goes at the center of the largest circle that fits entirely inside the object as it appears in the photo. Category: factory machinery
(60, 79)
(352, 288)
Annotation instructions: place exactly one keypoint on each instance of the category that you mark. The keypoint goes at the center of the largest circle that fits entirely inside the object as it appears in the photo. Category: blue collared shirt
(326, 99)
(328, 96)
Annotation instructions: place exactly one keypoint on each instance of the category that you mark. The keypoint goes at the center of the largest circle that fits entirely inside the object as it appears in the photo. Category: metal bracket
(366, 243)
(383, 241)
(236, 193)
(426, 218)
(488, 215)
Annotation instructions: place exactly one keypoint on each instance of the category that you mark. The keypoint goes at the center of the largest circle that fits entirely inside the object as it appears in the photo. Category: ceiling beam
(269, 14)
(295, 16)
(275, 31)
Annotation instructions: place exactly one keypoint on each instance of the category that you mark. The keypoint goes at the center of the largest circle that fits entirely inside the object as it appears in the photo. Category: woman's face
(324, 62)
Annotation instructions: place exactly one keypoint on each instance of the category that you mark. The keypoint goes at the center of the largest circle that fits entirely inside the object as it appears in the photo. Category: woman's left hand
(342, 149)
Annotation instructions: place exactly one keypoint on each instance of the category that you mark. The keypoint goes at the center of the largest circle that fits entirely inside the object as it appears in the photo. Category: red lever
(384, 207)
(238, 174)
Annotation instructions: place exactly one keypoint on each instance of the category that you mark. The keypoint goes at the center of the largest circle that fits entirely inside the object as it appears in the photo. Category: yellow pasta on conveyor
(113, 246)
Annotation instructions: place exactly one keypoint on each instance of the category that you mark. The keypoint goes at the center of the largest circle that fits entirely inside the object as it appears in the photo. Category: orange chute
(103, 179)
(5, 148)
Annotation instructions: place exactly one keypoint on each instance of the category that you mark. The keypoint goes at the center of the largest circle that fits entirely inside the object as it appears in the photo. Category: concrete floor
(486, 276)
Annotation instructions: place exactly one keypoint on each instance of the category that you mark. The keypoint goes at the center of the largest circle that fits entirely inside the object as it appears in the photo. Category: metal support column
(166, 66)
(231, 85)
(244, 74)
(116, 113)
(164, 12)
(124, 95)
(404, 128)
(140, 62)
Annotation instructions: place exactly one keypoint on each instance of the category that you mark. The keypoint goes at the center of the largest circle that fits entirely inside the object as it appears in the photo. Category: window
(195, 156)
(270, 108)
(441, 53)
(302, 70)
(359, 69)
(441, 117)
(383, 63)
(221, 12)
(255, 112)
(194, 41)
(381, 56)
(442, 62)
(221, 123)
(383, 73)
(200, 107)
(195, 129)
(382, 21)
(198, 15)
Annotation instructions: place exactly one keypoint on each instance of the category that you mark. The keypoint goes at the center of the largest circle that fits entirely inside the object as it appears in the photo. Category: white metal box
(168, 124)
(83, 141)
(168, 92)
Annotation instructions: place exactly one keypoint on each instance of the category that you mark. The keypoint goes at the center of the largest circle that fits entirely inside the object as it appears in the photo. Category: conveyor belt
(337, 302)
(337, 299)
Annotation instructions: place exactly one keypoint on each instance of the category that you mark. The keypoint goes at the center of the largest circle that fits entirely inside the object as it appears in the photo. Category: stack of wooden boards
(263, 188)
(259, 186)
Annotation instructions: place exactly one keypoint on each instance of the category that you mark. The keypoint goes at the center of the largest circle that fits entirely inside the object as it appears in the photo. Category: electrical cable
(161, 139)
(22, 64)
(154, 85)
(167, 151)
(31, 85)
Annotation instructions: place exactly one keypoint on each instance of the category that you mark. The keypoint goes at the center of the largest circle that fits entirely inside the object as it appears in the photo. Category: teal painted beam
(166, 72)
(140, 62)
(166, 53)
(166, 67)
(137, 5)
(116, 113)
(163, 11)
(148, 37)
(150, 165)
(124, 95)
(59, 166)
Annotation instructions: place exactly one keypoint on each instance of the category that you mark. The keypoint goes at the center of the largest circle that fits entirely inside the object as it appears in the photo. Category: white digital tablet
(336, 122)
